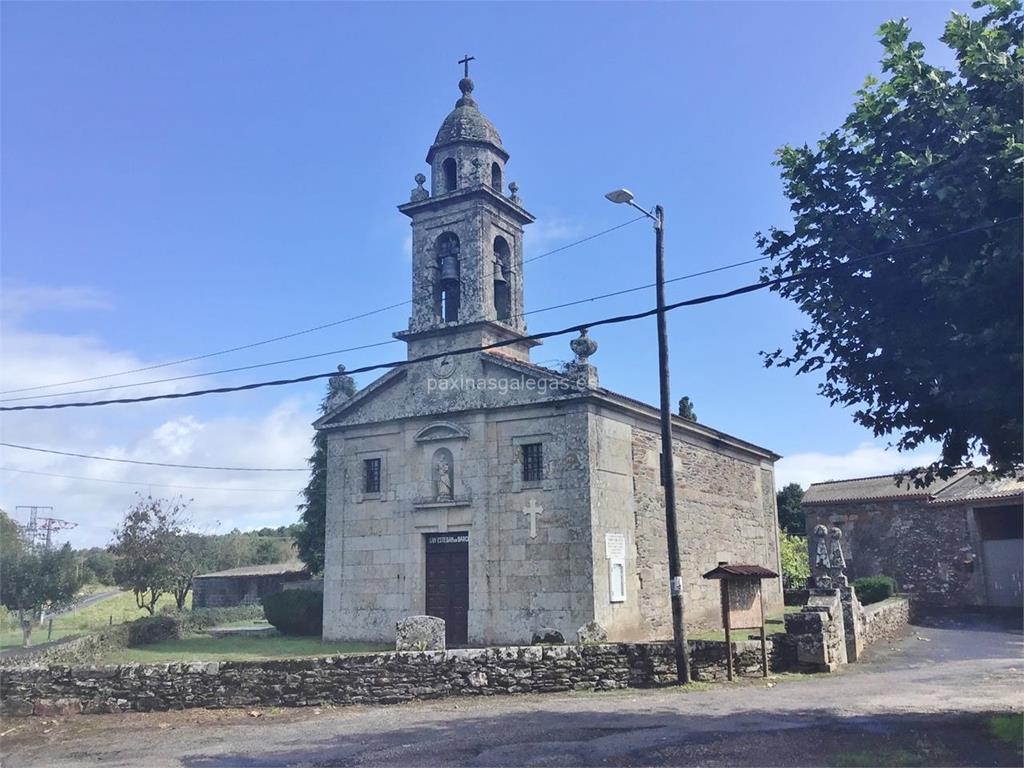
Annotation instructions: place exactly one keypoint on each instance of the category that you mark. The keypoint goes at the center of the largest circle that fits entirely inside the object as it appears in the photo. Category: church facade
(502, 496)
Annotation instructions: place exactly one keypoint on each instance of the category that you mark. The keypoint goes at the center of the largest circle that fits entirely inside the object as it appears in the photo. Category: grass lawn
(119, 608)
(234, 648)
(773, 623)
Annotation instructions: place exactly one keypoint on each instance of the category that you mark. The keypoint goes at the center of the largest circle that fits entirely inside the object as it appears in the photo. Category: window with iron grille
(533, 462)
(371, 475)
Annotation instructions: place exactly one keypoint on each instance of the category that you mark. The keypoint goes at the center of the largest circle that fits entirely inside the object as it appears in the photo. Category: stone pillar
(818, 632)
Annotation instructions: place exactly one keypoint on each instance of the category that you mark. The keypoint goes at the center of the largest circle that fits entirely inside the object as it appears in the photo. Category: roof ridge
(880, 477)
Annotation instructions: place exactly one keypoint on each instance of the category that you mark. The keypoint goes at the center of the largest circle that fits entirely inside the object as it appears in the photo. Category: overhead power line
(201, 375)
(153, 463)
(750, 288)
(254, 366)
(586, 239)
(283, 337)
(151, 485)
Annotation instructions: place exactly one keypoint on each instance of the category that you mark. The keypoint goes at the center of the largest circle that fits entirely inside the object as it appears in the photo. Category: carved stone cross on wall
(533, 509)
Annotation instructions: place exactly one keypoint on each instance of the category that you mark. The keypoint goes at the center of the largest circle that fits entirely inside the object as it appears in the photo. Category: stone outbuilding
(502, 496)
(248, 584)
(957, 542)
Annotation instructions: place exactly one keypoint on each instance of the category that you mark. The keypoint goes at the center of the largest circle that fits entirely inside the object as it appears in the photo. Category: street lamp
(667, 474)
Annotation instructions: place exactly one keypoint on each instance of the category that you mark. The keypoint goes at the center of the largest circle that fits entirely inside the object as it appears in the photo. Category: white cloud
(21, 300)
(178, 435)
(866, 460)
(547, 233)
(96, 493)
(407, 248)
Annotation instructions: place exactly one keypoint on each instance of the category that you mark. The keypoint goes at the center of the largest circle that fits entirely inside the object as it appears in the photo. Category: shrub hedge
(199, 619)
(295, 611)
(153, 629)
(874, 589)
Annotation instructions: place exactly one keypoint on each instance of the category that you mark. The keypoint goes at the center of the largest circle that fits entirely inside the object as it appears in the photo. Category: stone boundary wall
(886, 621)
(381, 678)
(74, 650)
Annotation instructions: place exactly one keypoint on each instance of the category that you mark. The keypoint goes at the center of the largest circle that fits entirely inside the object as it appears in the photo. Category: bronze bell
(499, 273)
(449, 269)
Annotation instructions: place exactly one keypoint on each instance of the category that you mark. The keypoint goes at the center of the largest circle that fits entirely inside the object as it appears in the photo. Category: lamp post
(667, 473)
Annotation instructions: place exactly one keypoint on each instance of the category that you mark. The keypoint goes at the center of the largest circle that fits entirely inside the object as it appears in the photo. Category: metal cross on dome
(465, 62)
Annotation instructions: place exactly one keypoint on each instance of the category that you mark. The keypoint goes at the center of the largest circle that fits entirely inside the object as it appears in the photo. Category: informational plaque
(745, 604)
(615, 546)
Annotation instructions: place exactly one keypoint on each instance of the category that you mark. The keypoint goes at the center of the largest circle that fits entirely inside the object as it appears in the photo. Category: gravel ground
(928, 700)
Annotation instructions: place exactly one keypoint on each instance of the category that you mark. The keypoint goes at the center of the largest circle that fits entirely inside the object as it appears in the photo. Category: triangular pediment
(361, 398)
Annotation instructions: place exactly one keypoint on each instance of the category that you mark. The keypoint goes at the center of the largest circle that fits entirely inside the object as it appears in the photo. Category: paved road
(930, 697)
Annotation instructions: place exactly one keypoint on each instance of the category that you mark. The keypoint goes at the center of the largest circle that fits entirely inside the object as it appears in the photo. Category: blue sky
(180, 178)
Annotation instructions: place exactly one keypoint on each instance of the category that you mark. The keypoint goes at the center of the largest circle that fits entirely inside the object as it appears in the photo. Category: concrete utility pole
(667, 472)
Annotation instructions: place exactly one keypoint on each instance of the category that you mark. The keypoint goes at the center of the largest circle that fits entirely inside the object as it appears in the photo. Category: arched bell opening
(448, 286)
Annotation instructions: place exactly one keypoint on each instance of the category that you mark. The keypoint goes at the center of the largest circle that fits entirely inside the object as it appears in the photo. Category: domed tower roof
(466, 123)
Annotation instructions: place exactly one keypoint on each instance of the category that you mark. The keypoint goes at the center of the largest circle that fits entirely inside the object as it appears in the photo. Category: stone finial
(580, 368)
(837, 562)
(513, 189)
(466, 86)
(340, 388)
(583, 347)
(821, 563)
(419, 193)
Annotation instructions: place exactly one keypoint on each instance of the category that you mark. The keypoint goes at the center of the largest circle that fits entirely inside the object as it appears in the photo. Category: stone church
(502, 496)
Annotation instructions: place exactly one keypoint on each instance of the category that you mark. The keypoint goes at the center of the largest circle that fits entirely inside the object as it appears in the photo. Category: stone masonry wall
(724, 514)
(886, 621)
(76, 650)
(929, 549)
(385, 678)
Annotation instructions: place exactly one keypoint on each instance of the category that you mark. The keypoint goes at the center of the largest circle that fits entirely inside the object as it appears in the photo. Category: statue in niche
(821, 565)
(443, 492)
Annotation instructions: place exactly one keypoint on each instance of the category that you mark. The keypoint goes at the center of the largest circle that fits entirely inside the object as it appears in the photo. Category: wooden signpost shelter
(742, 604)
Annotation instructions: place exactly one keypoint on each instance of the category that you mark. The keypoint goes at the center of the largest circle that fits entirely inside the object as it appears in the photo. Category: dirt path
(928, 701)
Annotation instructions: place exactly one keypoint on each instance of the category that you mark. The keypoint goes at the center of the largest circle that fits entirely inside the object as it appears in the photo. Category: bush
(200, 619)
(295, 611)
(153, 629)
(796, 567)
(874, 589)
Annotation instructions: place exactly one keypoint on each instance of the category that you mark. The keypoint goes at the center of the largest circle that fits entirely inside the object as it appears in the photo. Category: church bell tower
(467, 240)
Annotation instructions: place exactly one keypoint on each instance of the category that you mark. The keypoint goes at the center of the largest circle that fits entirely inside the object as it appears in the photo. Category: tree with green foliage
(796, 565)
(97, 565)
(925, 342)
(33, 578)
(310, 540)
(788, 500)
(156, 554)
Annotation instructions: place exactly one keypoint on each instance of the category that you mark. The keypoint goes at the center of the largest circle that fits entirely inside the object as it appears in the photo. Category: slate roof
(976, 488)
(726, 570)
(966, 484)
(271, 569)
(620, 399)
